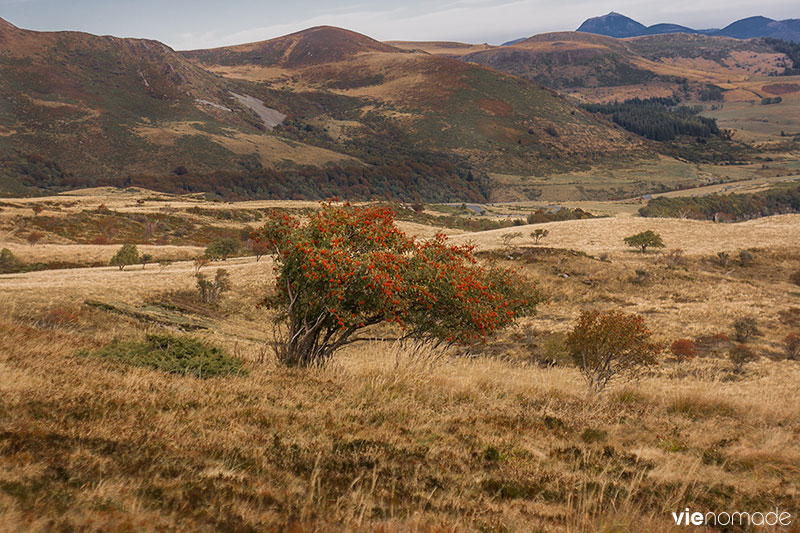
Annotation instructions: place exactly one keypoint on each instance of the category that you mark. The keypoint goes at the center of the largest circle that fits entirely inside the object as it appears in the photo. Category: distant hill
(497, 122)
(620, 26)
(314, 114)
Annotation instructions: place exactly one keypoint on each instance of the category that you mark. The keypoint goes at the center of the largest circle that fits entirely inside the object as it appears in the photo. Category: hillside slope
(498, 122)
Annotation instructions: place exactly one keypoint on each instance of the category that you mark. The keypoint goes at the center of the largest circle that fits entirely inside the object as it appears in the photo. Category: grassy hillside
(391, 437)
(498, 122)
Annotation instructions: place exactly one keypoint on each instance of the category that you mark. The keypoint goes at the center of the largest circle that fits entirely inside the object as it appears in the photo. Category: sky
(192, 24)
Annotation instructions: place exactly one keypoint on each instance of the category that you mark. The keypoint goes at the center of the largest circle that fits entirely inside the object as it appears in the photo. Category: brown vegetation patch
(495, 107)
(781, 88)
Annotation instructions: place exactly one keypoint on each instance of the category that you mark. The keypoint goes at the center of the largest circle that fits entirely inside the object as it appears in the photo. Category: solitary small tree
(347, 268)
(223, 248)
(200, 262)
(539, 234)
(127, 255)
(509, 237)
(605, 345)
(644, 240)
(259, 249)
(211, 290)
(144, 259)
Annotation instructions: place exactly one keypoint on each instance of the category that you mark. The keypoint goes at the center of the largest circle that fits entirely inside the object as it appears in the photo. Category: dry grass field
(391, 437)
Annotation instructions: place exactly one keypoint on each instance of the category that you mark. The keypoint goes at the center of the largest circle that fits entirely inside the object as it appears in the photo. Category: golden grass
(403, 438)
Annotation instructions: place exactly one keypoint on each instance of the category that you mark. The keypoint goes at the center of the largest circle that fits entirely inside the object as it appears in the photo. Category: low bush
(683, 349)
(746, 328)
(175, 355)
(746, 258)
(792, 344)
(740, 355)
(795, 278)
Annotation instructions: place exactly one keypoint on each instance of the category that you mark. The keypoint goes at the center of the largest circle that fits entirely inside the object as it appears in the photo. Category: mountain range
(320, 112)
(620, 26)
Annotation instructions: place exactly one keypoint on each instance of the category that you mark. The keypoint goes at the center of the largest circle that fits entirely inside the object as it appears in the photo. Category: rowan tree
(347, 268)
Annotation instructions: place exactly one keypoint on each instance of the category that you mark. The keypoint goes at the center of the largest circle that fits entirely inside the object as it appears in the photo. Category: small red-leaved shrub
(348, 268)
(683, 349)
(605, 345)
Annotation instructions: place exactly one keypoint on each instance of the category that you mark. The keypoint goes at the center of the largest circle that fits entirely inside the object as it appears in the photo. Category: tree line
(726, 208)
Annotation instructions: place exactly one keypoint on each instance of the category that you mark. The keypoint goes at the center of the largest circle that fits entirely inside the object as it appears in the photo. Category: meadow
(394, 436)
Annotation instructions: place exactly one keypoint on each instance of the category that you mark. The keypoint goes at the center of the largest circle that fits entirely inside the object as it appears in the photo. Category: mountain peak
(613, 25)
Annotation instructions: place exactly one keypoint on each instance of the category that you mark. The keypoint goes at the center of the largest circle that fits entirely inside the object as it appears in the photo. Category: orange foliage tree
(348, 268)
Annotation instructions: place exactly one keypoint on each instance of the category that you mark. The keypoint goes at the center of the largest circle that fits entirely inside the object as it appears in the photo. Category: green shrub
(175, 355)
(223, 248)
(127, 255)
(210, 291)
(9, 262)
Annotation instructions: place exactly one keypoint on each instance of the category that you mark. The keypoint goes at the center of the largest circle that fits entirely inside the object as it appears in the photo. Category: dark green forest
(657, 119)
(726, 208)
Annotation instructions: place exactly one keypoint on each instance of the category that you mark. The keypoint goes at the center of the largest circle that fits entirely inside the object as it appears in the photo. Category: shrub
(641, 276)
(164, 263)
(723, 259)
(605, 345)
(144, 259)
(644, 240)
(792, 342)
(740, 355)
(36, 209)
(683, 349)
(127, 255)
(34, 237)
(209, 290)
(746, 328)
(9, 262)
(223, 248)
(746, 258)
(539, 234)
(674, 258)
(348, 268)
(175, 355)
(795, 278)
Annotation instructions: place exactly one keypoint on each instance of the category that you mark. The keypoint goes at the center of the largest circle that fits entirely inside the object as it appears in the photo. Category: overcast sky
(189, 24)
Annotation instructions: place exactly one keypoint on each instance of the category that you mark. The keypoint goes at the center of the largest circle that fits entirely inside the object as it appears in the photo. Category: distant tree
(180, 171)
(644, 240)
(211, 290)
(605, 345)
(127, 255)
(260, 248)
(508, 237)
(9, 262)
(200, 262)
(144, 259)
(164, 263)
(221, 249)
(539, 234)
